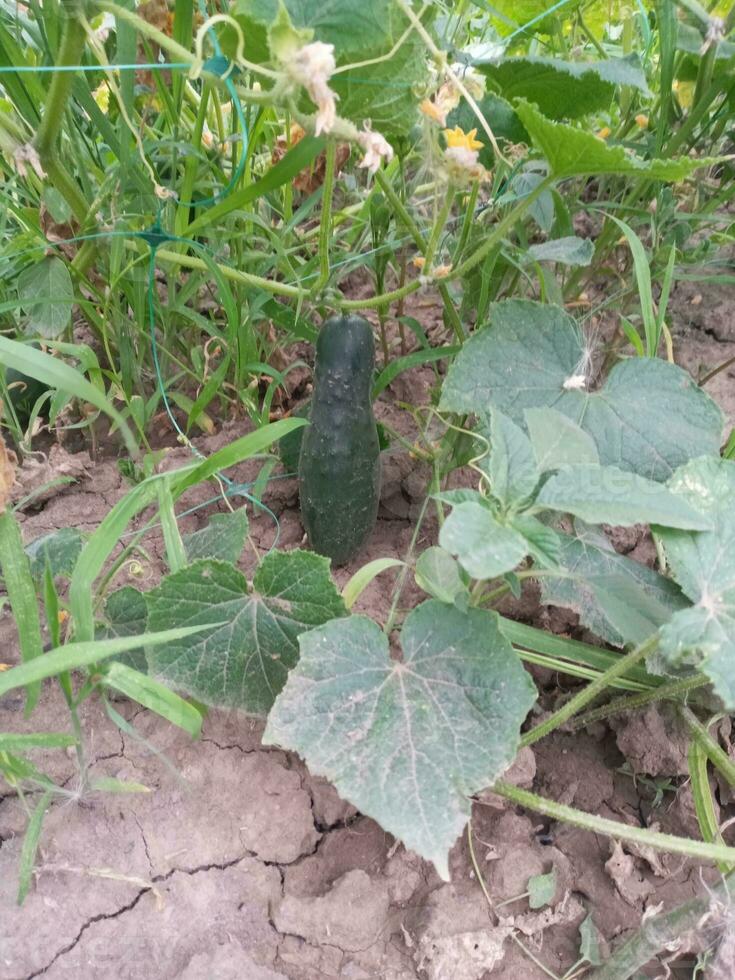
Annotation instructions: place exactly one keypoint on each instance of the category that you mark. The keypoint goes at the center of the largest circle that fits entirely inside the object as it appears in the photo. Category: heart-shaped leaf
(407, 741)
(243, 664)
(648, 417)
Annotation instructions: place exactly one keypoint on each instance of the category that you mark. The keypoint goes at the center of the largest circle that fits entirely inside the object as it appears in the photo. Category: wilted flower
(433, 111)
(641, 120)
(312, 66)
(715, 34)
(376, 148)
(418, 262)
(461, 156)
(26, 155)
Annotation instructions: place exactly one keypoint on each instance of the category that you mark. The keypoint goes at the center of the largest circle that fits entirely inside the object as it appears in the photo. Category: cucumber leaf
(608, 495)
(704, 566)
(245, 663)
(571, 152)
(360, 32)
(484, 547)
(563, 89)
(557, 441)
(648, 417)
(127, 615)
(407, 741)
(510, 463)
(223, 538)
(594, 571)
(439, 575)
(46, 295)
(570, 250)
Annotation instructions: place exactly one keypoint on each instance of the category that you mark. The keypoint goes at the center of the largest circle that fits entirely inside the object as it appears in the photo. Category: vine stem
(716, 755)
(470, 262)
(633, 701)
(415, 232)
(70, 53)
(438, 227)
(660, 931)
(325, 226)
(587, 694)
(613, 828)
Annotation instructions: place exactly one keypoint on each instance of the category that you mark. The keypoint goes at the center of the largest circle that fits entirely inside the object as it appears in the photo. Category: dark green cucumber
(339, 466)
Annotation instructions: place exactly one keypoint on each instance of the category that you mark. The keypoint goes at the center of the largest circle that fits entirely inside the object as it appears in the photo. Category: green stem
(633, 701)
(438, 227)
(573, 706)
(662, 932)
(415, 232)
(325, 226)
(613, 828)
(469, 216)
(716, 755)
(70, 53)
(163, 41)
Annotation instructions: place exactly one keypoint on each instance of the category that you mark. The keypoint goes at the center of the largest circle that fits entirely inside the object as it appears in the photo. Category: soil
(237, 863)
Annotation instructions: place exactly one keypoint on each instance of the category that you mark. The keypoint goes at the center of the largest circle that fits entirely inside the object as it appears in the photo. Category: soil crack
(102, 917)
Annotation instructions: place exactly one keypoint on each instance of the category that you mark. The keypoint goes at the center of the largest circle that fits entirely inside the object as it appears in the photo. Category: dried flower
(461, 159)
(376, 148)
(312, 66)
(442, 271)
(433, 111)
(26, 155)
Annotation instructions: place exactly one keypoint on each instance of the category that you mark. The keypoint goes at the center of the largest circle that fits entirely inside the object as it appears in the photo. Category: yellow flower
(642, 121)
(4, 667)
(604, 133)
(101, 96)
(458, 138)
(432, 111)
(418, 261)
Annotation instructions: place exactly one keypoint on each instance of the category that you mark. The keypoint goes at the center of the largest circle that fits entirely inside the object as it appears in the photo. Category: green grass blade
(16, 572)
(72, 656)
(30, 846)
(57, 374)
(154, 696)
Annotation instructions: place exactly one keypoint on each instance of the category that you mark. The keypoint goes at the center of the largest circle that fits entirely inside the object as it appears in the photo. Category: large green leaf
(571, 152)
(704, 566)
(608, 495)
(46, 295)
(591, 564)
(563, 89)
(648, 417)
(407, 741)
(360, 32)
(243, 664)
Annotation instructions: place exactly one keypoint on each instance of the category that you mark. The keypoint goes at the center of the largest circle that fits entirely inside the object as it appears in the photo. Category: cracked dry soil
(239, 864)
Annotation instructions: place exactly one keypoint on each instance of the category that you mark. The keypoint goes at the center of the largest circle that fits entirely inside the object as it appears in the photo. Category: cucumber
(339, 465)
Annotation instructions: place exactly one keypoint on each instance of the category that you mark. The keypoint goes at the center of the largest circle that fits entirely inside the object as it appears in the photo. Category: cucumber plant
(195, 231)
